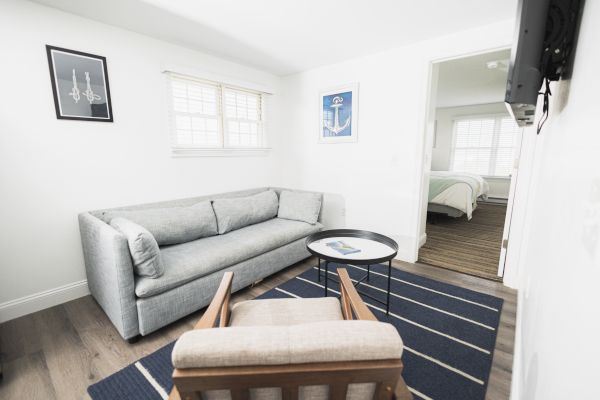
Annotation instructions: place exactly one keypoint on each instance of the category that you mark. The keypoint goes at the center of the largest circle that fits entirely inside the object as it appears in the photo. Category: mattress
(459, 190)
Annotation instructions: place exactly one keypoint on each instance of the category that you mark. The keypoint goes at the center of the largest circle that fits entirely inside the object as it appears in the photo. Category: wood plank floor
(57, 353)
(471, 247)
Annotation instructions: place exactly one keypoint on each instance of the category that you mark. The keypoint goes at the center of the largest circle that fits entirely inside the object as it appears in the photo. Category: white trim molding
(217, 77)
(422, 239)
(220, 152)
(39, 301)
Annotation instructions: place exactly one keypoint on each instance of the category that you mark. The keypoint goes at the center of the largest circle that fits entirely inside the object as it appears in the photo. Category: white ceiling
(468, 81)
(287, 36)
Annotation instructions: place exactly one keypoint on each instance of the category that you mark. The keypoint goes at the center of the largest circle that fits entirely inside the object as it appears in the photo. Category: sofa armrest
(110, 273)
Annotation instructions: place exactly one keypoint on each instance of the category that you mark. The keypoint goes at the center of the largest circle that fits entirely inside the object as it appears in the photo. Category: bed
(455, 193)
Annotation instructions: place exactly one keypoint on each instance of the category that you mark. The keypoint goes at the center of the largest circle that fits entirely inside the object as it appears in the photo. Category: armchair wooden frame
(189, 383)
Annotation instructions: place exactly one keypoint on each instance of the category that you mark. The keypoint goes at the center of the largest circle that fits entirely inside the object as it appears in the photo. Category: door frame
(428, 128)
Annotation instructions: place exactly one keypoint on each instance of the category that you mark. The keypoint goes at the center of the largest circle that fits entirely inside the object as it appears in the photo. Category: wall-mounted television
(542, 52)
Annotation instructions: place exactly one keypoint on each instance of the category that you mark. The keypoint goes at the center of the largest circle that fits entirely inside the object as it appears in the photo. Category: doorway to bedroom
(469, 166)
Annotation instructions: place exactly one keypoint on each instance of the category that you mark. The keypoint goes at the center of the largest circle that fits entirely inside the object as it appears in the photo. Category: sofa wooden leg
(134, 339)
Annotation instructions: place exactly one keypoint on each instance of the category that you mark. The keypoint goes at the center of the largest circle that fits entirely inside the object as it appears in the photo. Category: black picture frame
(100, 112)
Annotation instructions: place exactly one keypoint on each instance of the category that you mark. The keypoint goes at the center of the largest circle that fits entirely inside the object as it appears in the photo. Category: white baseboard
(422, 240)
(39, 301)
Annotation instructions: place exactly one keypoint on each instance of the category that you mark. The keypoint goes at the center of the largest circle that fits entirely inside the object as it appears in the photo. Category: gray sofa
(139, 305)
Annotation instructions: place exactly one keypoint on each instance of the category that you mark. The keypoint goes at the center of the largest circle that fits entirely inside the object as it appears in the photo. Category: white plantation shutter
(484, 145)
(507, 140)
(195, 113)
(209, 115)
(243, 118)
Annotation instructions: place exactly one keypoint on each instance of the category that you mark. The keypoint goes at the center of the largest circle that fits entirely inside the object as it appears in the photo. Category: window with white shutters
(485, 145)
(209, 115)
(243, 118)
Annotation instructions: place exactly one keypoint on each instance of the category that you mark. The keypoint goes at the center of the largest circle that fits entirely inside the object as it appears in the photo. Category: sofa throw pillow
(300, 206)
(173, 225)
(142, 246)
(238, 212)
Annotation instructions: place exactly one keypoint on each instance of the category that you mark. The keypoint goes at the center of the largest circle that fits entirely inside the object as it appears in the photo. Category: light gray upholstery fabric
(288, 344)
(109, 272)
(299, 206)
(159, 310)
(142, 246)
(188, 261)
(186, 202)
(173, 225)
(236, 213)
(269, 312)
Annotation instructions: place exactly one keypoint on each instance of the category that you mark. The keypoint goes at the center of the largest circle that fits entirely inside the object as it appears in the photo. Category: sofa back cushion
(144, 250)
(300, 206)
(173, 225)
(236, 213)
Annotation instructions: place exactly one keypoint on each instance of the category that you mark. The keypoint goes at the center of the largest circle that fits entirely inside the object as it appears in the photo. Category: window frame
(223, 149)
(497, 117)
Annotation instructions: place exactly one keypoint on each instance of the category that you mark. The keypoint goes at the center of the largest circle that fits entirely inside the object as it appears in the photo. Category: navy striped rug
(449, 335)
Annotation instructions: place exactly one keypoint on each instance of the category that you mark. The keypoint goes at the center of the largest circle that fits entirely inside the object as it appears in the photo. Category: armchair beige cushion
(328, 341)
(285, 311)
(305, 347)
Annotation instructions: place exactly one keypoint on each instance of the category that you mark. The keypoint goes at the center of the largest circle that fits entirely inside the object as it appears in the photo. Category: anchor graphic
(75, 91)
(89, 93)
(336, 128)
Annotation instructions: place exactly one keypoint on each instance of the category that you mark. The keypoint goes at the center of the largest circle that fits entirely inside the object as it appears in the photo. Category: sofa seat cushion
(188, 261)
(269, 312)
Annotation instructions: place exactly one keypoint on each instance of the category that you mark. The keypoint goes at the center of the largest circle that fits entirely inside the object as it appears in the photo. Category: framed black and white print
(80, 85)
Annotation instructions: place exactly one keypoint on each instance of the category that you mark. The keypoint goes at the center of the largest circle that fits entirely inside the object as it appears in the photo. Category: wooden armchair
(276, 360)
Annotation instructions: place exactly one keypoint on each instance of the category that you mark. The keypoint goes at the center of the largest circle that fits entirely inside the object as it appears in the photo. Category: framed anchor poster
(80, 85)
(338, 114)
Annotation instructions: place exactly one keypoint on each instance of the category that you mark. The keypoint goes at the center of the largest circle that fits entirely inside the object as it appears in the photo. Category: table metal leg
(387, 303)
(319, 270)
(368, 272)
(326, 276)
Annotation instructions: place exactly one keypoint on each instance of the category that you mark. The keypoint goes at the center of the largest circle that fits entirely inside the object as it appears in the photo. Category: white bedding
(460, 195)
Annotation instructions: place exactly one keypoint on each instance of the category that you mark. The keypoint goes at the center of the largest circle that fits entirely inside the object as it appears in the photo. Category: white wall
(380, 176)
(466, 81)
(442, 149)
(558, 320)
(51, 169)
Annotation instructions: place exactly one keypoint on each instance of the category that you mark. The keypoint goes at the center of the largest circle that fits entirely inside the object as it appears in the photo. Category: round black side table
(374, 249)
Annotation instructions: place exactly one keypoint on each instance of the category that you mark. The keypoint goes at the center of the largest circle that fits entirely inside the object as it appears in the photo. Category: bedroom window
(485, 145)
(211, 118)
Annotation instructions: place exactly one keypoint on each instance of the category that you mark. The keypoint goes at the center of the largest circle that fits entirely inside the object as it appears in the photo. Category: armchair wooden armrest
(219, 306)
(352, 304)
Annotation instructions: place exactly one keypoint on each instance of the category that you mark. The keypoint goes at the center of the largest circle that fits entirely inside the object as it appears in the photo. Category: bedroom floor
(471, 247)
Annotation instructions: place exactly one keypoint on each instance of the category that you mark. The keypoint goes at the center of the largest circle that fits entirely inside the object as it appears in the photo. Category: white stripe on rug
(419, 394)
(491, 328)
(442, 364)
(428, 289)
(163, 394)
(288, 293)
(425, 356)
(407, 320)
